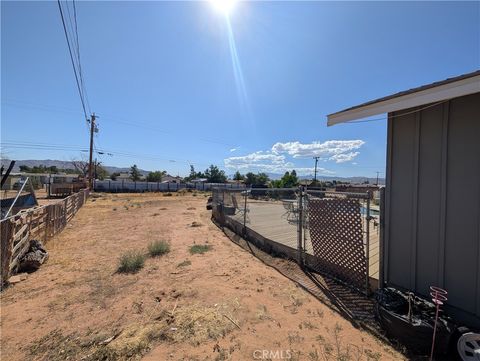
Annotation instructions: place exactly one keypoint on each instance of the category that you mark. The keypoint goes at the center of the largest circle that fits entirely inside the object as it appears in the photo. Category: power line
(398, 115)
(65, 147)
(78, 56)
(49, 108)
(73, 62)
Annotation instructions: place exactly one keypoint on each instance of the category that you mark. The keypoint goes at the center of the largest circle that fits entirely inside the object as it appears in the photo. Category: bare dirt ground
(223, 304)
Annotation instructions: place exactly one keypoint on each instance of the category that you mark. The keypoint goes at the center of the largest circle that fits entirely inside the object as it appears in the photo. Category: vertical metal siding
(433, 202)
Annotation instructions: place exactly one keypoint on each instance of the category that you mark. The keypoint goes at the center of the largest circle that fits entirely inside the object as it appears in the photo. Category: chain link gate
(327, 232)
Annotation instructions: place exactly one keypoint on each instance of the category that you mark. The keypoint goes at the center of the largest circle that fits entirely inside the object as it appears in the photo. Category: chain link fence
(333, 233)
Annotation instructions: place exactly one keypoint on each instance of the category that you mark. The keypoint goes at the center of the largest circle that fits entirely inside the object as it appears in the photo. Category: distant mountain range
(61, 164)
(355, 179)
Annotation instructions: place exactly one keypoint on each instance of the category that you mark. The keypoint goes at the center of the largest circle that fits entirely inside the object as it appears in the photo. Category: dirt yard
(223, 304)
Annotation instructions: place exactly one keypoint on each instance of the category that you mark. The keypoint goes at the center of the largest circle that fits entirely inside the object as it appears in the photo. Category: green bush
(158, 248)
(200, 248)
(131, 262)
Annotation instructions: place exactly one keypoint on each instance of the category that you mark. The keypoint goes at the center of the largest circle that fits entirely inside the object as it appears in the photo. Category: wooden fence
(40, 223)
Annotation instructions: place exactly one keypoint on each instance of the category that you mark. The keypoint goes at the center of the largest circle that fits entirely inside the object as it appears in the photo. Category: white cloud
(268, 162)
(275, 160)
(344, 157)
(337, 150)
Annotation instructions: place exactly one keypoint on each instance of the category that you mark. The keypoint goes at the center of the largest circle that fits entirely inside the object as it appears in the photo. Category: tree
(99, 171)
(259, 179)
(194, 175)
(215, 175)
(156, 176)
(135, 173)
(238, 176)
(81, 166)
(114, 175)
(289, 180)
(262, 179)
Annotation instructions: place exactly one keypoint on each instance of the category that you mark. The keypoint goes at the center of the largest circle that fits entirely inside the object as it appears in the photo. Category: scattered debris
(34, 258)
(232, 321)
(18, 278)
(196, 224)
(209, 203)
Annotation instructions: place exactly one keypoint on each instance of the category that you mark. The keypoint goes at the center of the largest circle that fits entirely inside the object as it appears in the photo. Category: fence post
(245, 210)
(47, 222)
(65, 213)
(300, 227)
(7, 230)
(381, 245)
(367, 281)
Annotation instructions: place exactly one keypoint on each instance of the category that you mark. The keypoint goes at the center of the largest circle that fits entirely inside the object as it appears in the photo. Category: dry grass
(158, 248)
(131, 262)
(193, 324)
(200, 248)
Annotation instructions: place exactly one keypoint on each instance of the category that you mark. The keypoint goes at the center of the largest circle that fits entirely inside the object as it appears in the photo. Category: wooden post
(65, 213)
(47, 221)
(7, 231)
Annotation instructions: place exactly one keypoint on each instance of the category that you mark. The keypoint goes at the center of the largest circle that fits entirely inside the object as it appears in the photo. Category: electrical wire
(50, 108)
(73, 62)
(78, 56)
(69, 147)
(398, 115)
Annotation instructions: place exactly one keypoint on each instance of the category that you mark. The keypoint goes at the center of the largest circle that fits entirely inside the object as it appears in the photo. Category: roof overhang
(436, 92)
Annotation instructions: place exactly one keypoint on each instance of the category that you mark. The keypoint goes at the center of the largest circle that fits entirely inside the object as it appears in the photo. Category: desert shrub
(167, 194)
(131, 262)
(158, 248)
(200, 248)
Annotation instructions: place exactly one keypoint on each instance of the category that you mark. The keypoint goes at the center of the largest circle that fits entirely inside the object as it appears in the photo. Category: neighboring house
(123, 176)
(171, 179)
(199, 180)
(432, 199)
(356, 188)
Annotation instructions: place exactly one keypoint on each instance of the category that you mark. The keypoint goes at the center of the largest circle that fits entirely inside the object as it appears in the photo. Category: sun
(223, 6)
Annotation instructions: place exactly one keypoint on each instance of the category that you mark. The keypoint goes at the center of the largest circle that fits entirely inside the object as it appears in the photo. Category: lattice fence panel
(337, 238)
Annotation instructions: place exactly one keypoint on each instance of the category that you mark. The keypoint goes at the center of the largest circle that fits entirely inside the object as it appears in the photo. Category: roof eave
(438, 93)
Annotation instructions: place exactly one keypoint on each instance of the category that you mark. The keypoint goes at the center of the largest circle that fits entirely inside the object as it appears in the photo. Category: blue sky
(168, 92)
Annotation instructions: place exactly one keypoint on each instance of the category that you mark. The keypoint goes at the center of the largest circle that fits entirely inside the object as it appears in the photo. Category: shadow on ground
(355, 307)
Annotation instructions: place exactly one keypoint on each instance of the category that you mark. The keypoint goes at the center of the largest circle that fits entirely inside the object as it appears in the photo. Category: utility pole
(377, 179)
(90, 165)
(315, 176)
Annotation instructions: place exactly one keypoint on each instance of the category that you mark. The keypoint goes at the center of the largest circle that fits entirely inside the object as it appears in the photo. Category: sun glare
(223, 6)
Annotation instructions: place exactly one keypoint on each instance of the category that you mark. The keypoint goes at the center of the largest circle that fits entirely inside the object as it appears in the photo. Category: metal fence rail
(40, 223)
(128, 186)
(328, 232)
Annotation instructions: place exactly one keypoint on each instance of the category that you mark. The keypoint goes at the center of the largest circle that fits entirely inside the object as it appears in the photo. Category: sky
(180, 83)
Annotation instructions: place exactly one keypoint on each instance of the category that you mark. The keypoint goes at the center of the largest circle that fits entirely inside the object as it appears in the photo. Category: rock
(34, 258)
(18, 278)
